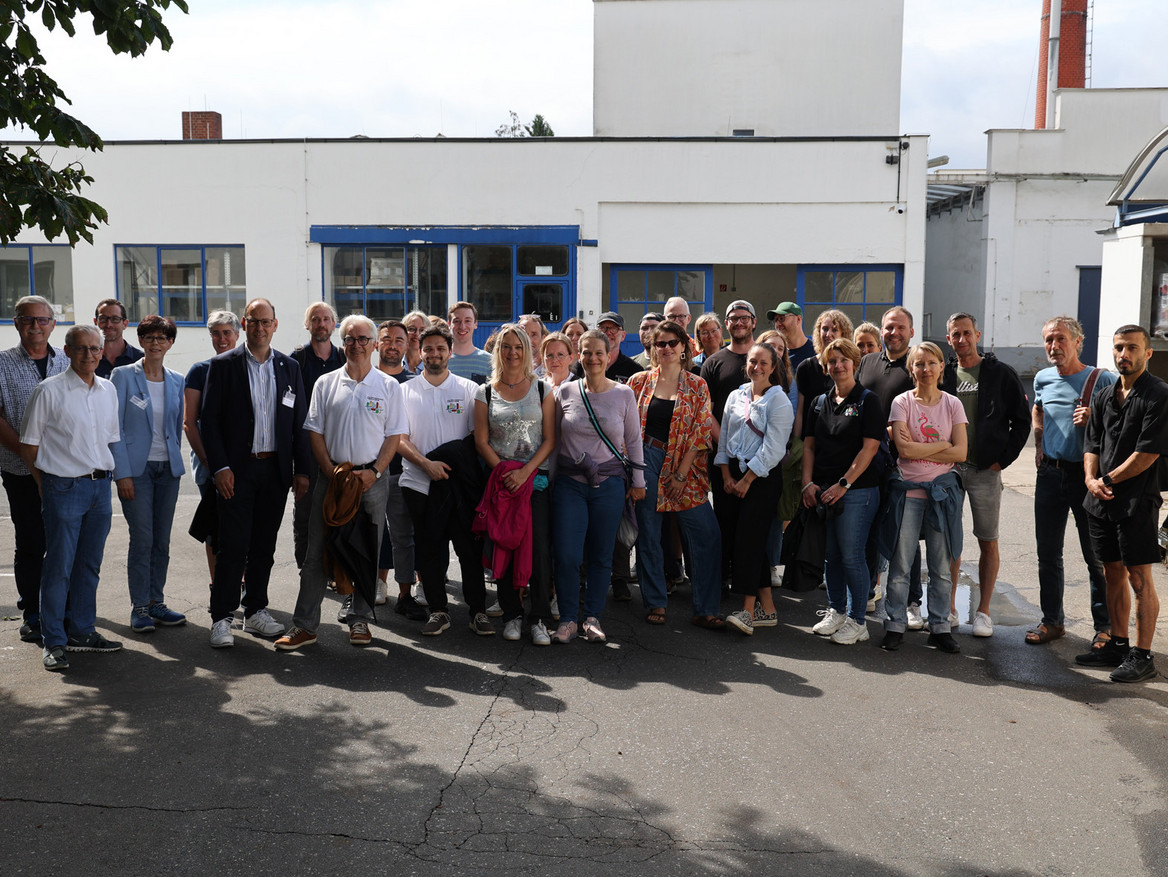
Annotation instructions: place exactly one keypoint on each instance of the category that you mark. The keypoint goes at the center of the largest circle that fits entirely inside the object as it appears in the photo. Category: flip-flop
(656, 616)
(1045, 633)
(709, 622)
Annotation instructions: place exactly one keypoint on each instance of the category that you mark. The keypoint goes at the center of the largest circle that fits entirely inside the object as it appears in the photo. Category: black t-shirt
(658, 418)
(1115, 432)
(839, 432)
(312, 367)
(620, 371)
(884, 378)
(724, 372)
(127, 356)
(811, 382)
(798, 354)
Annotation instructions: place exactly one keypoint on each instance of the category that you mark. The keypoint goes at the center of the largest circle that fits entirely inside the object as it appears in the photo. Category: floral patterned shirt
(689, 429)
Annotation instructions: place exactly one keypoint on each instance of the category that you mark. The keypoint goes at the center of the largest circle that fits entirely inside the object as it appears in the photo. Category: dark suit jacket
(227, 422)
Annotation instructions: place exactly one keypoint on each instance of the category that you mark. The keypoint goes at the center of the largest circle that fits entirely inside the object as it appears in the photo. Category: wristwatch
(377, 475)
(843, 482)
(1106, 479)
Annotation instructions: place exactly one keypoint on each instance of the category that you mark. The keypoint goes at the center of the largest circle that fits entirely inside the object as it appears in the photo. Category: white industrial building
(741, 149)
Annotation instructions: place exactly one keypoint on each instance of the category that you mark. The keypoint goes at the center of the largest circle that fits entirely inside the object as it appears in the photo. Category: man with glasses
(252, 429)
(620, 367)
(787, 317)
(110, 318)
(21, 369)
(356, 416)
(70, 422)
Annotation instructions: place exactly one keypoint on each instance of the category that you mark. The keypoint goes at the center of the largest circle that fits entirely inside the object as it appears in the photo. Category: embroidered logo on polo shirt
(377, 406)
(454, 406)
(852, 410)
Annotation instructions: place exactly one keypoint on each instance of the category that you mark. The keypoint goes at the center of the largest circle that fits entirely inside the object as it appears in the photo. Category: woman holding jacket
(676, 429)
(148, 468)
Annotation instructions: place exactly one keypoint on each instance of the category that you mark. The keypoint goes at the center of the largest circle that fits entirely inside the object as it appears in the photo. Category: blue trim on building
(632, 344)
(898, 288)
(7, 319)
(370, 235)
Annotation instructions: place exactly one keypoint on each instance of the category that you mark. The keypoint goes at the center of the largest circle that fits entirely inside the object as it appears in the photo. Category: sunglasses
(671, 343)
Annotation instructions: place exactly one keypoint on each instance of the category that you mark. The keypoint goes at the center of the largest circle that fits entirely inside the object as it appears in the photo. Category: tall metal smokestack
(1063, 49)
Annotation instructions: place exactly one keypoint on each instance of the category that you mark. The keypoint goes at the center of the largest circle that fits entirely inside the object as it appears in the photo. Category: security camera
(900, 208)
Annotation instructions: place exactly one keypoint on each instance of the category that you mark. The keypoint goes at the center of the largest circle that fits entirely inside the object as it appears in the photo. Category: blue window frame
(634, 290)
(37, 269)
(385, 282)
(863, 292)
(184, 282)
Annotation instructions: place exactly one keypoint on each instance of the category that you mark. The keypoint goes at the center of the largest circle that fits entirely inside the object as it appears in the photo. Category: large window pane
(849, 286)
(487, 281)
(137, 269)
(427, 280)
(344, 278)
(881, 287)
(385, 283)
(14, 278)
(661, 285)
(817, 286)
(691, 285)
(52, 269)
(630, 285)
(226, 280)
(182, 285)
(543, 260)
(545, 299)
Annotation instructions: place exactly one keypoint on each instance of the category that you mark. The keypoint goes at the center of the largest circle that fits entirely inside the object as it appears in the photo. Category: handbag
(626, 534)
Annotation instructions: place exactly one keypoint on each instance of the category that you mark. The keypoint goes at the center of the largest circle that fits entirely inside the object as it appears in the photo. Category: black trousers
(249, 523)
(24, 503)
(749, 522)
(435, 527)
(541, 567)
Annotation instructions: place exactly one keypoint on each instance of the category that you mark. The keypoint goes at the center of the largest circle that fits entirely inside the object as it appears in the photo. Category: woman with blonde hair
(867, 338)
(558, 356)
(811, 379)
(709, 334)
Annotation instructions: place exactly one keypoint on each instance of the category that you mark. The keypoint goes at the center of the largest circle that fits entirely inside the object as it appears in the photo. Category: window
(644, 288)
(488, 281)
(184, 283)
(37, 270)
(385, 282)
(861, 292)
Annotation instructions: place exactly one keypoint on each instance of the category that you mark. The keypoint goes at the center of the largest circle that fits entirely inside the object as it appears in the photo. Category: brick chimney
(1065, 48)
(202, 126)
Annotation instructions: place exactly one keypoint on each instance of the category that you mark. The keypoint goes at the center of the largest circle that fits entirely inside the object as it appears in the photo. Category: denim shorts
(983, 487)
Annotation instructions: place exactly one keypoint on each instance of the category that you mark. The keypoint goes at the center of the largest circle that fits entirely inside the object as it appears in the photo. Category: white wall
(680, 68)
(1126, 295)
(719, 202)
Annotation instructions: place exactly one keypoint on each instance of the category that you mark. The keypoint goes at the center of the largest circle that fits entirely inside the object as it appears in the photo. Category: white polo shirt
(355, 417)
(436, 415)
(72, 425)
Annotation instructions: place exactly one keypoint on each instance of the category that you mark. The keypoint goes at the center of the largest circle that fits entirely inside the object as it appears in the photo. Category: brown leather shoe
(1044, 633)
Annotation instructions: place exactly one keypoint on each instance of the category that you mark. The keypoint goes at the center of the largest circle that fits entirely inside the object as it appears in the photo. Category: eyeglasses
(28, 321)
(739, 318)
(252, 321)
(671, 343)
(88, 351)
(153, 339)
(359, 340)
(413, 331)
(102, 320)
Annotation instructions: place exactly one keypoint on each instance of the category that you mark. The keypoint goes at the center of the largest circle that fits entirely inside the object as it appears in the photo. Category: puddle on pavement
(1002, 611)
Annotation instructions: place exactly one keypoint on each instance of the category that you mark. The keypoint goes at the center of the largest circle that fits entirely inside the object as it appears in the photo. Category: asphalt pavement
(669, 750)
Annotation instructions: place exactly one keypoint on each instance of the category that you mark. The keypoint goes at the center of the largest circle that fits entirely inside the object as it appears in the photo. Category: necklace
(516, 384)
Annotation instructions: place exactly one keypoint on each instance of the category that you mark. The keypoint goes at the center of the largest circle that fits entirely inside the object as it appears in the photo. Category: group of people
(548, 458)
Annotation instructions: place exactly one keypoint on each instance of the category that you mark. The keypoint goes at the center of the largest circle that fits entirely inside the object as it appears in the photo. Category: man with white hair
(356, 416)
(69, 424)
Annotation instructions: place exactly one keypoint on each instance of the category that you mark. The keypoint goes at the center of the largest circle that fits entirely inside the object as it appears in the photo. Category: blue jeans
(584, 524)
(845, 568)
(1057, 491)
(908, 547)
(77, 513)
(700, 530)
(149, 516)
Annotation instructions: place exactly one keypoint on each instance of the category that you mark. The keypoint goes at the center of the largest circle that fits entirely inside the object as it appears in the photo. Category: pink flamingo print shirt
(927, 424)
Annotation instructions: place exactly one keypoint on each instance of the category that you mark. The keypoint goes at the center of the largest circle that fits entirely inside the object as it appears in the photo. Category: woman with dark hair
(148, 468)
(676, 429)
(574, 328)
(756, 425)
(598, 467)
(841, 437)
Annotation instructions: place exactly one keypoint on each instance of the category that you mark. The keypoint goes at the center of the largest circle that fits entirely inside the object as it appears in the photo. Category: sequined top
(515, 429)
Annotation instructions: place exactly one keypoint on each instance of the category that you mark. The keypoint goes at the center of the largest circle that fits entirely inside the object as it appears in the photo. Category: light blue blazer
(136, 420)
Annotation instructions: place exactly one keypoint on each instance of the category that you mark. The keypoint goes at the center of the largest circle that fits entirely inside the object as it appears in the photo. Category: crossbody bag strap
(599, 431)
(1089, 387)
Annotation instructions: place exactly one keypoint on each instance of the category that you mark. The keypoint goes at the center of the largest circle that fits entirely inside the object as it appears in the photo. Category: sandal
(1045, 633)
(709, 622)
(1102, 638)
(656, 616)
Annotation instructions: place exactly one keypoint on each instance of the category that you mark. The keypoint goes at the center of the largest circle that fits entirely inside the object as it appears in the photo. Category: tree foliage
(33, 194)
(538, 127)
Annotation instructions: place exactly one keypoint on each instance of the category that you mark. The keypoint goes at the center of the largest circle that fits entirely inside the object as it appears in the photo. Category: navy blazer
(136, 420)
(227, 421)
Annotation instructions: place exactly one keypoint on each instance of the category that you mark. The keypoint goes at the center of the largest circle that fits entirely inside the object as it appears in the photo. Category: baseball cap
(610, 317)
(740, 304)
(784, 309)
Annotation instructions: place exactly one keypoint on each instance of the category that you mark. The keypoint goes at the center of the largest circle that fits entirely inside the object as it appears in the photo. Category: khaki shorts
(983, 487)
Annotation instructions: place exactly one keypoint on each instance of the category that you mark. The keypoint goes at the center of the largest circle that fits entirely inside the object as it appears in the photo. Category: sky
(406, 68)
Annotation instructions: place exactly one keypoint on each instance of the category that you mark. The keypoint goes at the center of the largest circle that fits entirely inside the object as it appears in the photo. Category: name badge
(289, 399)
(140, 401)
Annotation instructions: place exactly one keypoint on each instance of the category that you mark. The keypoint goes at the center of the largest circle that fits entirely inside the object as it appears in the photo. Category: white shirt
(261, 377)
(73, 425)
(436, 415)
(355, 417)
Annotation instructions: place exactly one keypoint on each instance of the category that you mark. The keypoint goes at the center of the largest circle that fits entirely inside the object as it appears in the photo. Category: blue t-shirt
(197, 380)
(474, 366)
(1057, 396)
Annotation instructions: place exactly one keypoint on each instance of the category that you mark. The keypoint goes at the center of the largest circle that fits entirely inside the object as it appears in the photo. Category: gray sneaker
(55, 659)
(481, 625)
(91, 642)
(741, 621)
(539, 635)
(261, 623)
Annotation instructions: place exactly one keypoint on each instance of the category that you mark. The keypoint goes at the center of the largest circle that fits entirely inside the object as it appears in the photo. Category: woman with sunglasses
(677, 432)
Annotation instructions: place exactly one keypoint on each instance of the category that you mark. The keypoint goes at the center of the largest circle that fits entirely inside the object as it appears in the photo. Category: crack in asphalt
(6, 799)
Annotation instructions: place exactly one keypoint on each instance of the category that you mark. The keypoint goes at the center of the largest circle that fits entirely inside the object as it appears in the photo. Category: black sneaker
(944, 642)
(55, 659)
(30, 631)
(621, 592)
(409, 607)
(92, 642)
(1134, 669)
(1107, 655)
(892, 640)
(438, 622)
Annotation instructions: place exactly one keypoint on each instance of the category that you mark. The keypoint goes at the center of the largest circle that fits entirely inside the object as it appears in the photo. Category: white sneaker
(539, 635)
(776, 577)
(555, 609)
(915, 621)
(262, 624)
(850, 633)
(419, 595)
(382, 592)
(513, 629)
(221, 636)
(954, 622)
(832, 621)
(495, 610)
(982, 625)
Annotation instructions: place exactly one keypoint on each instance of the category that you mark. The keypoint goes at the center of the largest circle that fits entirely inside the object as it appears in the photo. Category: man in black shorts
(1126, 436)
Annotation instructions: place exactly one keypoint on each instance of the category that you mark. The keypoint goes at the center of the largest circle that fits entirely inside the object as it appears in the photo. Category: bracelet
(680, 479)
(808, 484)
